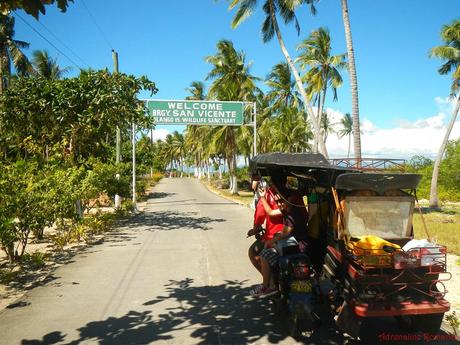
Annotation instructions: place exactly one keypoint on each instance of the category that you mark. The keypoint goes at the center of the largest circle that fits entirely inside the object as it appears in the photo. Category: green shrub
(7, 276)
(127, 207)
(157, 176)
(36, 260)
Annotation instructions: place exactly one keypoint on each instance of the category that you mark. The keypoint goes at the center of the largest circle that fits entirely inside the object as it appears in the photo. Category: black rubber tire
(279, 308)
(293, 325)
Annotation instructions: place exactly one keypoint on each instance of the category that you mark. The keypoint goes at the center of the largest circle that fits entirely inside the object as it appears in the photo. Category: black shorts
(256, 247)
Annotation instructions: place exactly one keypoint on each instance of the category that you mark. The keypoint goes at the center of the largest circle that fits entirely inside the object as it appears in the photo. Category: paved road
(177, 274)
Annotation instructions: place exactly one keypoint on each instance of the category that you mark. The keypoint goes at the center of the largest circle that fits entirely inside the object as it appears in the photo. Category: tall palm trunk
(231, 159)
(308, 108)
(233, 178)
(353, 81)
(434, 202)
(4, 67)
(320, 114)
(315, 139)
(349, 145)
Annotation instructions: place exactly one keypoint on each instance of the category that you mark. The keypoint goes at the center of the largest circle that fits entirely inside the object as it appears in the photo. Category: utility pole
(118, 139)
(134, 166)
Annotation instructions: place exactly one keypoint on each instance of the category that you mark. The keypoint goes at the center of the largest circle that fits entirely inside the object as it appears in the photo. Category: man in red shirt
(272, 224)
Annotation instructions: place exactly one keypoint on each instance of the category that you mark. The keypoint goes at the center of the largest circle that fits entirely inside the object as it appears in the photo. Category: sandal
(256, 290)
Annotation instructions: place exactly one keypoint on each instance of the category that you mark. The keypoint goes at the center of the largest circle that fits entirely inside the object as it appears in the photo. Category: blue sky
(399, 86)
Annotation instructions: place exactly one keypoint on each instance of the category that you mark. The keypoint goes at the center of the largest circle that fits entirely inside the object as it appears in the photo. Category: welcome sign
(213, 113)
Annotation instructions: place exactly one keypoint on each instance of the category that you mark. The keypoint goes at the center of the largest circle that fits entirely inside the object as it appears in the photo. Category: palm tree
(353, 81)
(231, 81)
(347, 129)
(46, 67)
(324, 69)
(286, 9)
(282, 92)
(10, 52)
(450, 52)
(197, 91)
(326, 125)
(288, 131)
(178, 150)
(168, 152)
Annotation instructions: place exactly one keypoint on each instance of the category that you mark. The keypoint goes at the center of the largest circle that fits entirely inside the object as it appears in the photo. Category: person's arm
(286, 232)
(259, 219)
(270, 212)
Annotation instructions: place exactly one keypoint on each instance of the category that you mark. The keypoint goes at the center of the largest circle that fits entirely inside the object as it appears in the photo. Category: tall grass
(443, 227)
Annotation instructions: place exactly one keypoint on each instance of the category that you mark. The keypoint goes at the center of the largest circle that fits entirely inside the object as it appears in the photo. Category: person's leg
(266, 273)
(255, 259)
(254, 254)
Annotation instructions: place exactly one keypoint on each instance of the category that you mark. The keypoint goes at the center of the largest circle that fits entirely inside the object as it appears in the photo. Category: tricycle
(365, 251)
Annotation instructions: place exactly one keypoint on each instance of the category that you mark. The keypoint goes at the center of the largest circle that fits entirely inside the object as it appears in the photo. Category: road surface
(176, 274)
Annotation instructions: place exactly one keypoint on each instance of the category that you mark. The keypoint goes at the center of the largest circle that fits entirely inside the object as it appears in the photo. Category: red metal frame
(383, 309)
(389, 281)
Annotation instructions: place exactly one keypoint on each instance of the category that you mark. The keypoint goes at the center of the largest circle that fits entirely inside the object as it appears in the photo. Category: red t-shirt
(272, 224)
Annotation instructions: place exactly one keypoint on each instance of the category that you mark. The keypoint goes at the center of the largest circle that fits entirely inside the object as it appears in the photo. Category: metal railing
(371, 164)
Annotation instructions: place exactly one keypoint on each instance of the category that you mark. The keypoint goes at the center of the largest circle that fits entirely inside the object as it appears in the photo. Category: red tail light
(301, 271)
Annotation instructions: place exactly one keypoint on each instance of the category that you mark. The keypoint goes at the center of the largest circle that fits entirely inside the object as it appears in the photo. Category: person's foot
(265, 292)
(256, 290)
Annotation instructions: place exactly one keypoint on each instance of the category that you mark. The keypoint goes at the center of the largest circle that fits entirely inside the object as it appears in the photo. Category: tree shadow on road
(207, 314)
(218, 314)
(170, 220)
(159, 195)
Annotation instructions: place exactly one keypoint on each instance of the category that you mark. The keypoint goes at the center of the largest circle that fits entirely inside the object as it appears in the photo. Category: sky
(403, 101)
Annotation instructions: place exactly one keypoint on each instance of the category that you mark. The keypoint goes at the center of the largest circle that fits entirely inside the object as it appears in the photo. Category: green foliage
(32, 7)
(157, 176)
(36, 260)
(26, 205)
(450, 167)
(35, 197)
(449, 181)
(78, 114)
(419, 162)
(453, 321)
(127, 207)
(7, 276)
(98, 223)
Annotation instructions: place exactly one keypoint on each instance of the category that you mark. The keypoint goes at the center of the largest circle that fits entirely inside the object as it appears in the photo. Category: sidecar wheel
(293, 326)
(279, 307)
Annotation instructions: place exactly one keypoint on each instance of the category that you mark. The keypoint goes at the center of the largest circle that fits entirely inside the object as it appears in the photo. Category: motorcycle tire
(428, 323)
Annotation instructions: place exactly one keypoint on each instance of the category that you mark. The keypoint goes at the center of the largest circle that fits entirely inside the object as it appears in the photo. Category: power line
(38, 33)
(66, 46)
(97, 25)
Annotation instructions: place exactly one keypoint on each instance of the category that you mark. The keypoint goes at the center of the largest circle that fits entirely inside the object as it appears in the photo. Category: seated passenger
(273, 224)
(294, 232)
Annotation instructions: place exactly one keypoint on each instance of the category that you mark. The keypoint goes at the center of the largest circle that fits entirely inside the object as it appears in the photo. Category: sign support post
(134, 166)
(118, 135)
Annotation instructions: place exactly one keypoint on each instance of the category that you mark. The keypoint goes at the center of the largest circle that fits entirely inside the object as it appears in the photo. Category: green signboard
(214, 113)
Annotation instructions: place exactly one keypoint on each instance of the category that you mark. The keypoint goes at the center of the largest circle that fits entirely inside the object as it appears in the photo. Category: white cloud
(420, 137)
(160, 134)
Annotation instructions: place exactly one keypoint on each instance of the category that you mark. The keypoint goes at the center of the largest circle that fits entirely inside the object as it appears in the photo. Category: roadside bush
(25, 206)
(36, 260)
(243, 173)
(157, 176)
(449, 177)
(125, 209)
